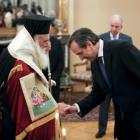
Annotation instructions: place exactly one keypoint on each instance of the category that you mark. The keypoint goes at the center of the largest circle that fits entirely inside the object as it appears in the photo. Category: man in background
(114, 33)
(116, 25)
(56, 55)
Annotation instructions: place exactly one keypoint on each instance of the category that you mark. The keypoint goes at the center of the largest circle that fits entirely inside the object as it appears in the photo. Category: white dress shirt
(114, 37)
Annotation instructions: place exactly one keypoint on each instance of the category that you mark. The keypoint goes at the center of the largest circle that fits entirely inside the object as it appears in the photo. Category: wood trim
(8, 32)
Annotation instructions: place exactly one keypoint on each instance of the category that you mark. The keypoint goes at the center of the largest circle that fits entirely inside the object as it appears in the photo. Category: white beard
(43, 56)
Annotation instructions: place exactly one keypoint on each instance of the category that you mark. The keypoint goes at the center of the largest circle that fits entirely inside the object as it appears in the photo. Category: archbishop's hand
(61, 108)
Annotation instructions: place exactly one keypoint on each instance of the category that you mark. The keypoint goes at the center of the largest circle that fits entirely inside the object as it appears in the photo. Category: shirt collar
(112, 37)
(100, 53)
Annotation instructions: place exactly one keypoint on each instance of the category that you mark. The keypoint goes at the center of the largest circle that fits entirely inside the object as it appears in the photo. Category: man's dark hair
(82, 35)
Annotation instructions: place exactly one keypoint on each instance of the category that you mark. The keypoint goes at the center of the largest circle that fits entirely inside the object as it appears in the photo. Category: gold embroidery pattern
(14, 70)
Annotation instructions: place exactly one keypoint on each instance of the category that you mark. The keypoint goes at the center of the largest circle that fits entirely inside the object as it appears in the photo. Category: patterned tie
(102, 68)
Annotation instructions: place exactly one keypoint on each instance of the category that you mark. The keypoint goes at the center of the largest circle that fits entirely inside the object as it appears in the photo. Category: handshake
(65, 109)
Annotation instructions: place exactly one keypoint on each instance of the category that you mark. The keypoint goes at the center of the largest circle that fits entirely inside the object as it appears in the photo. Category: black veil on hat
(37, 24)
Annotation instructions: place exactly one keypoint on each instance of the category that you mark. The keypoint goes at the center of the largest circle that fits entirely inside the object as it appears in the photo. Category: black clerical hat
(37, 24)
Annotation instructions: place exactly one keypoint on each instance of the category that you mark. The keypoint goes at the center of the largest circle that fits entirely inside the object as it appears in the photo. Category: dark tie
(114, 37)
(102, 68)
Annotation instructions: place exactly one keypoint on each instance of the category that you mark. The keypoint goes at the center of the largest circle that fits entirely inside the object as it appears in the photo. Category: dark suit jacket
(56, 59)
(56, 55)
(122, 62)
(124, 37)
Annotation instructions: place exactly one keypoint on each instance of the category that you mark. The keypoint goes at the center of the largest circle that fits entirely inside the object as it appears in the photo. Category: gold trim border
(35, 125)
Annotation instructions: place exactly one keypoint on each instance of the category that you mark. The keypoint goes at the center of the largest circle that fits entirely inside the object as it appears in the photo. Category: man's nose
(48, 45)
(114, 28)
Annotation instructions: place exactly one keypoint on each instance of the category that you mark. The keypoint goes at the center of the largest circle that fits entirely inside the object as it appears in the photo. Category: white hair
(116, 17)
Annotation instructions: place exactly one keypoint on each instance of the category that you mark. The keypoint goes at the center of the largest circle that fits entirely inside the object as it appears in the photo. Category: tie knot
(115, 37)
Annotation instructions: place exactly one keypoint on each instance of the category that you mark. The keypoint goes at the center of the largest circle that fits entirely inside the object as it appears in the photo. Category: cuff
(78, 108)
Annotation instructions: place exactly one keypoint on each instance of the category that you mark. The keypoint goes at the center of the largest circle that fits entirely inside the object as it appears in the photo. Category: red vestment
(42, 129)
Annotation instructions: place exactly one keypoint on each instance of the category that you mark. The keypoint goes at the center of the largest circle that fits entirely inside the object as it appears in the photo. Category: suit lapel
(108, 36)
(99, 77)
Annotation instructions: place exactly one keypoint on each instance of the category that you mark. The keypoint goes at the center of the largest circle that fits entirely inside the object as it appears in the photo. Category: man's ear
(89, 44)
